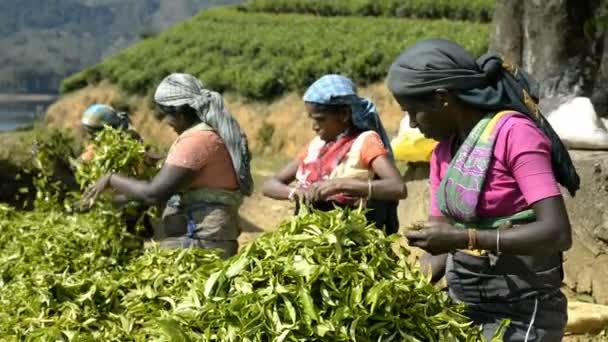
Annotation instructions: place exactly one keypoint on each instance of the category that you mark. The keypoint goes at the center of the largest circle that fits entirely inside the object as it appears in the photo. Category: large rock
(586, 263)
(586, 318)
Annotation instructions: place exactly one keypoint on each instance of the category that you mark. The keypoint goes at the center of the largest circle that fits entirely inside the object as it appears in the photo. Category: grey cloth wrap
(217, 226)
(524, 289)
(439, 63)
(183, 89)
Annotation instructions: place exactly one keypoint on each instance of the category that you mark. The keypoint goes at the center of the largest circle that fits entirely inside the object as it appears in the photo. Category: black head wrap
(486, 83)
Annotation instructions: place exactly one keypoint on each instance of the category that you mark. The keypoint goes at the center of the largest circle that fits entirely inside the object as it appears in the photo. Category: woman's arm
(277, 186)
(527, 154)
(390, 186)
(550, 233)
(169, 180)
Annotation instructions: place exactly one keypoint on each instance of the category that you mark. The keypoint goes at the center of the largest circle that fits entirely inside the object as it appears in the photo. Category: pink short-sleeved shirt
(520, 171)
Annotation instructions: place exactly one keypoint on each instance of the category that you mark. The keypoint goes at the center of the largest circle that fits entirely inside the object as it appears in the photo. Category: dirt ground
(585, 338)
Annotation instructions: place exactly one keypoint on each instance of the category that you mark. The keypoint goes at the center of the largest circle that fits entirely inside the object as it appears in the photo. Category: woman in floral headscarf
(349, 161)
(205, 175)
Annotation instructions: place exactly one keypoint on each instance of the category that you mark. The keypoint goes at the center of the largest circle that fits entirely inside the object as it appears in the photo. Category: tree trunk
(548, 38)
(508, 35)
(599, 95)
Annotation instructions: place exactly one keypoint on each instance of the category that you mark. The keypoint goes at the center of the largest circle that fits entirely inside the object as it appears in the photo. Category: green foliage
(81, 80)
(474, 10)
(52, 152)
(83, 278)
(320, 277)
(262, 56)
(116, 151)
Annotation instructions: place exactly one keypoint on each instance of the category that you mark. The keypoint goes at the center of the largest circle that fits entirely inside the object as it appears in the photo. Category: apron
(522, 288)
(204, 218)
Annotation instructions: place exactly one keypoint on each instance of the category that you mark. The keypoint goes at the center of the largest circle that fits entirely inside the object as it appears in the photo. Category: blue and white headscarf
(339, 90)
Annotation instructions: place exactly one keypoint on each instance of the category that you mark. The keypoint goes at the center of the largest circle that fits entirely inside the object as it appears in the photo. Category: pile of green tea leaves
(321, 276)
(83, 278)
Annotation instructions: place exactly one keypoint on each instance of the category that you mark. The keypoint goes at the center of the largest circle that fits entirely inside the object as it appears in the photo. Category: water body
(20, 112)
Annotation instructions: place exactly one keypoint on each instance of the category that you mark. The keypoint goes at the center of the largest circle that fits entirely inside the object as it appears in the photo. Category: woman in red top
(350, 159)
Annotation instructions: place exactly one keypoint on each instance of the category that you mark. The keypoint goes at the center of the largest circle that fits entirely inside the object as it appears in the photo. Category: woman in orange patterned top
(349, 161)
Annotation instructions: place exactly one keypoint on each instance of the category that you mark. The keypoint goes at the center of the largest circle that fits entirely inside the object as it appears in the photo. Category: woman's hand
(91, 193)
(302, 194)
(326, 189)
(438, 238)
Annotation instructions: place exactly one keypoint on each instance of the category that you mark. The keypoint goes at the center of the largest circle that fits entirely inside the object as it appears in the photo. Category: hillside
(43, 44)
(263, 55)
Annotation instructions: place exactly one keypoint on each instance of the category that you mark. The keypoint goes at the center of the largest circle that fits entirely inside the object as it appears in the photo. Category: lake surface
(21, 112)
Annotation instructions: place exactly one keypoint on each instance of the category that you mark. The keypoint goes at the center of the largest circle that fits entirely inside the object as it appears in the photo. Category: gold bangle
(498, 242)
(472, 238)
(369, 189)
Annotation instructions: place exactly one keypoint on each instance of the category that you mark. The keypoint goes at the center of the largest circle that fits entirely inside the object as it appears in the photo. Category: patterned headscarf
(183, 89)
(99, 115)
(339, 90)
(486, 83)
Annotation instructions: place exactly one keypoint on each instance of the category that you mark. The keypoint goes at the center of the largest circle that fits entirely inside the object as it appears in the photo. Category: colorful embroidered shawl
(461, 187)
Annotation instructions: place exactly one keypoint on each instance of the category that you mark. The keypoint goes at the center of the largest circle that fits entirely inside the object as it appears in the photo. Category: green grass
(474, 10)
(262, 56)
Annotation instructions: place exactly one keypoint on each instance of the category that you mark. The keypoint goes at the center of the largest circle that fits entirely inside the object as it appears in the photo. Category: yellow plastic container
(411, 145)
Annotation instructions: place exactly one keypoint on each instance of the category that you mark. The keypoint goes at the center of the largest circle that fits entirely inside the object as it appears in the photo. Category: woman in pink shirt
(498, 224)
